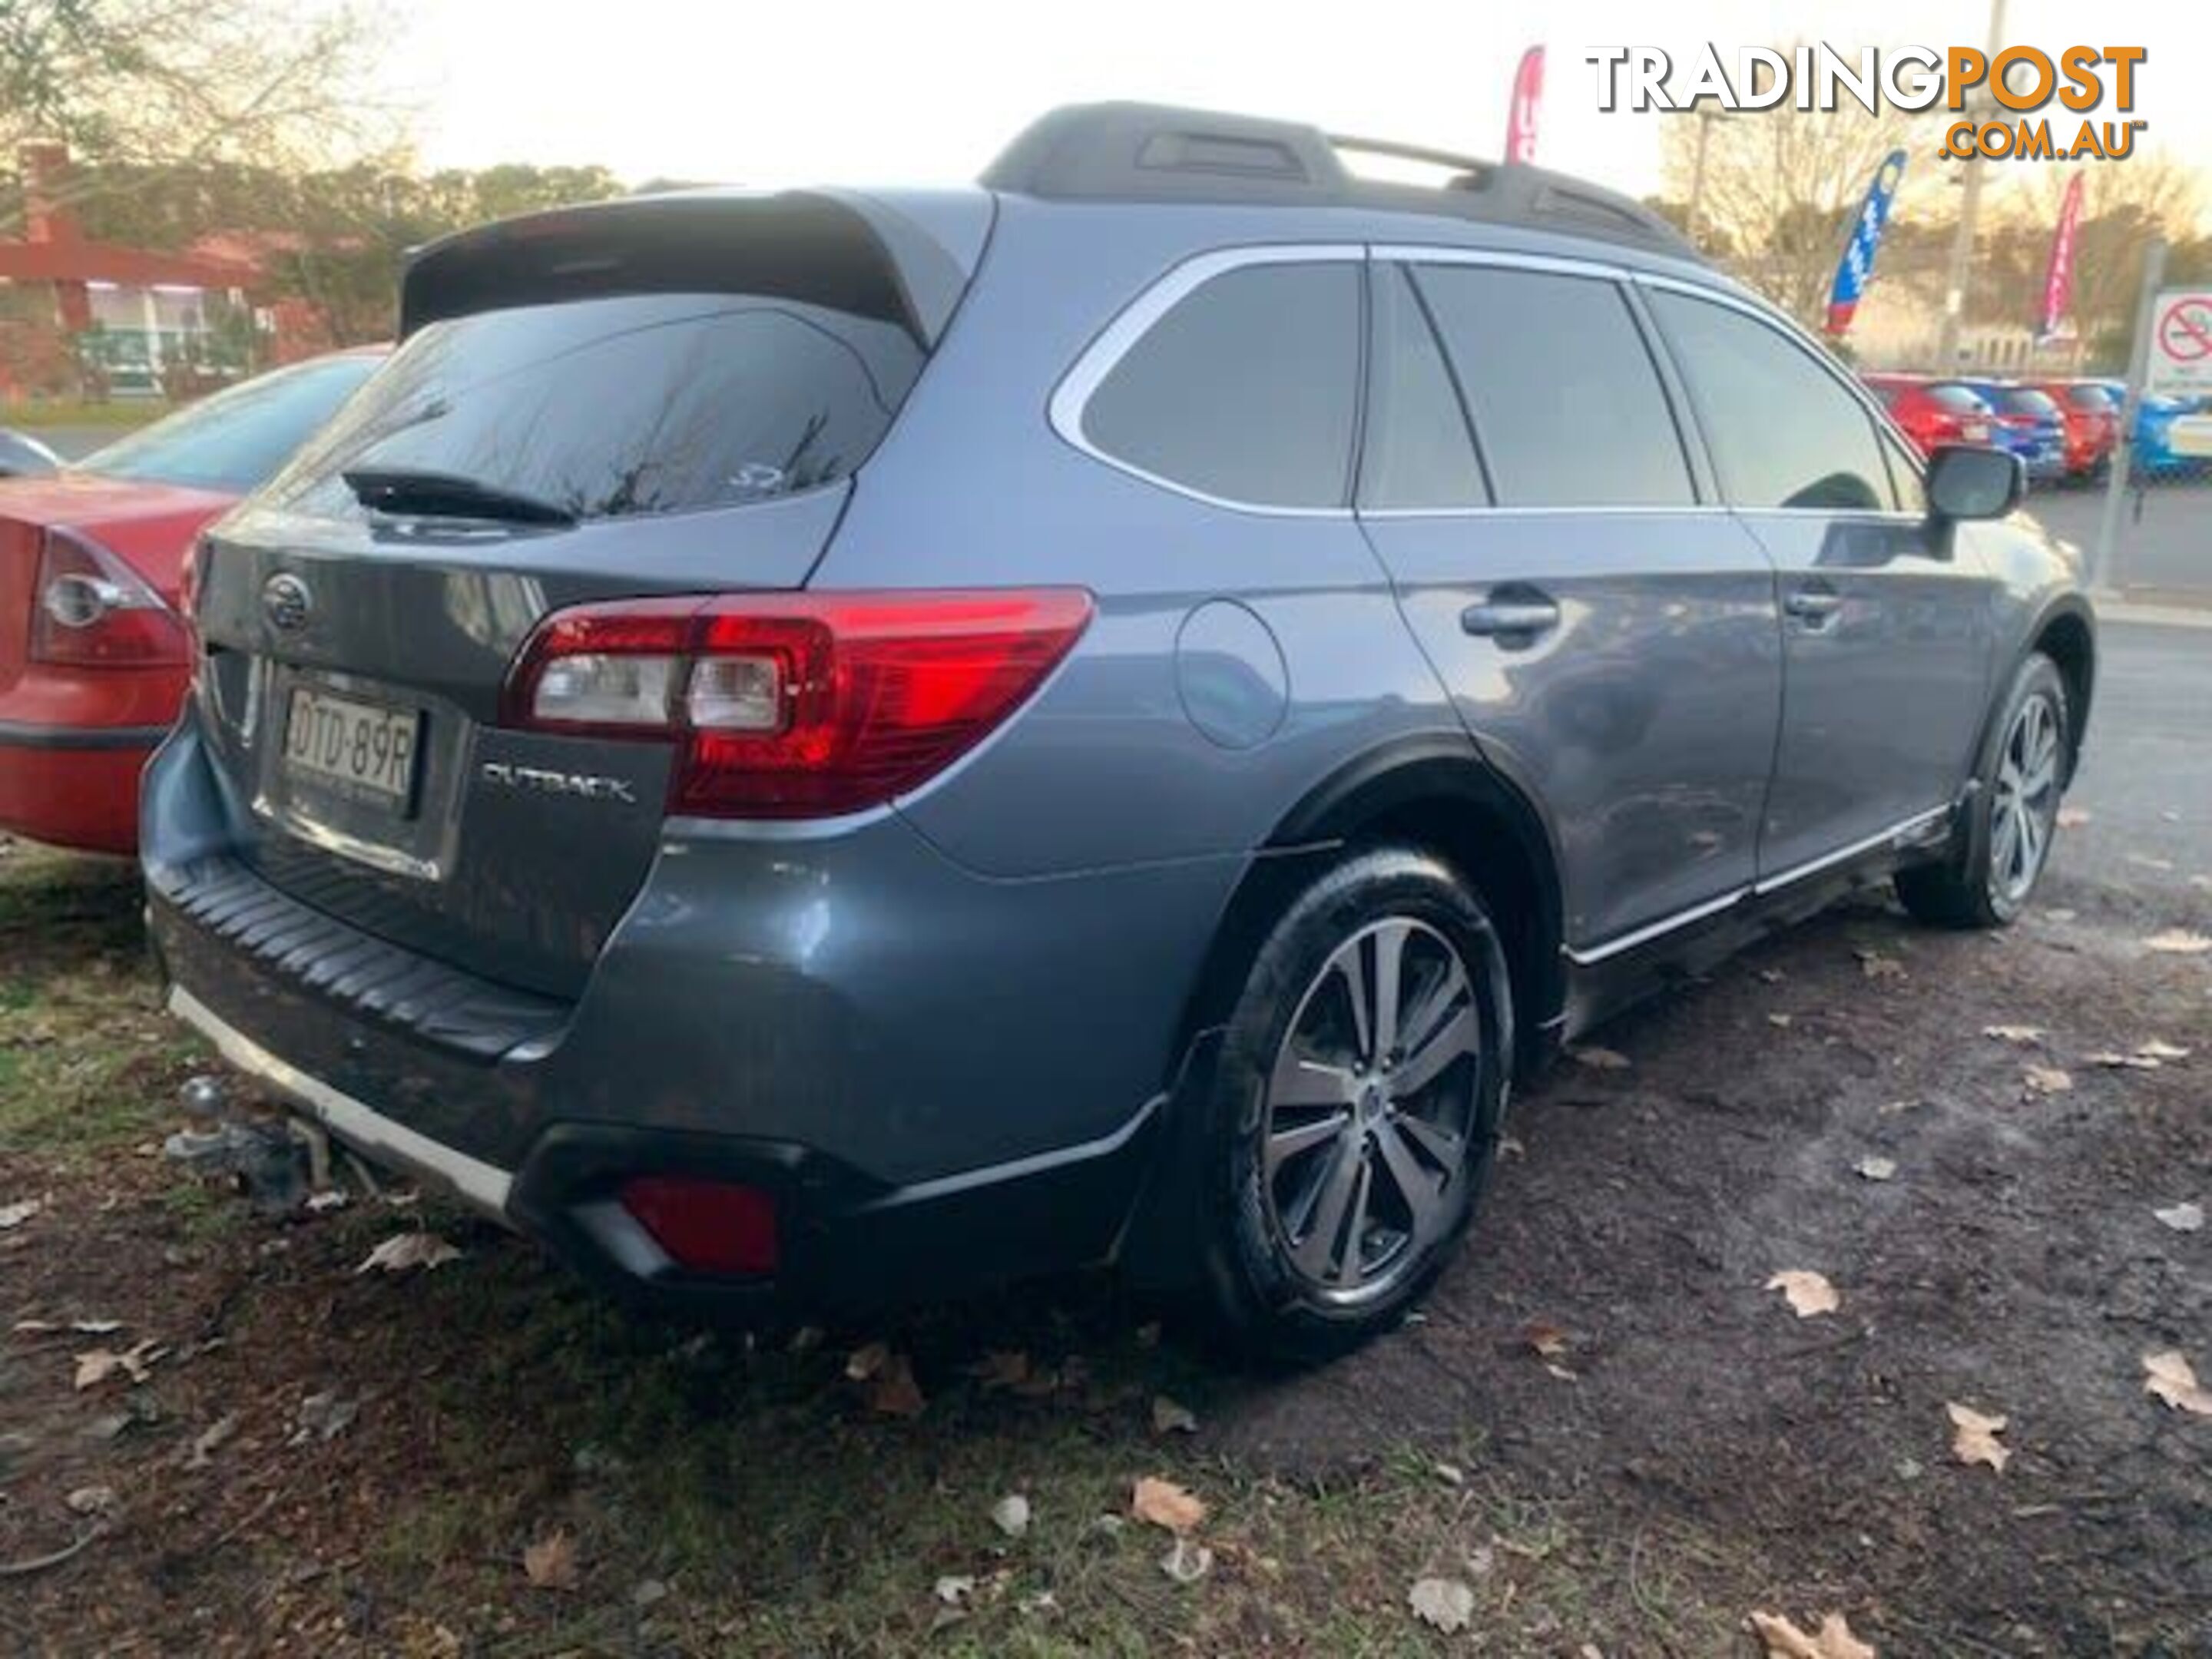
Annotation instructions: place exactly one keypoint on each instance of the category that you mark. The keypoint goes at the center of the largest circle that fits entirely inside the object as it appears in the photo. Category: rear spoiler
(903, 258)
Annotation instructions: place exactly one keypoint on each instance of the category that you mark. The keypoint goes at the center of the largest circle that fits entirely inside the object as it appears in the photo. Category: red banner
(2058, 279)
(1528, 93)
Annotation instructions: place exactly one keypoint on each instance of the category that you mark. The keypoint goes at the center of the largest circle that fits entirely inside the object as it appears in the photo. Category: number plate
(363, 748)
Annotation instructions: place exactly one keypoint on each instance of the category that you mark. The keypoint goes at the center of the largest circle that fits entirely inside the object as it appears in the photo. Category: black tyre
(2006, 840)
(1353, 1113)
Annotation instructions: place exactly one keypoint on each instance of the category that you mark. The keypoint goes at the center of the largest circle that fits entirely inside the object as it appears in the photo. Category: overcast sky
(925, 91)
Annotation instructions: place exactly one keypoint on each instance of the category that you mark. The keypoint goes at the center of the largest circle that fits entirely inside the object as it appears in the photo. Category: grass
(747, 1476)
(123, 416)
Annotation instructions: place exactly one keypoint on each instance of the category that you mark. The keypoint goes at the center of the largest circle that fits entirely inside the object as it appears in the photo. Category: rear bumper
(942, 1079)
(74, 785)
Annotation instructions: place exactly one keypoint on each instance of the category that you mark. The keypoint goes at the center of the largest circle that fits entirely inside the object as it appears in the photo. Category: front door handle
(1812, 605)
(1511, 612)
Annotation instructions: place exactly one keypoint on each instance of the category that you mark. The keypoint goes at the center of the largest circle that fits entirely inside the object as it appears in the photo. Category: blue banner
(1858, 267)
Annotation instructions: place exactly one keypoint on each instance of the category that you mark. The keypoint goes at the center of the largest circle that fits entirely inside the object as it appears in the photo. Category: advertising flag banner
(1528, 93)
(2058, 277)
(1858, 267)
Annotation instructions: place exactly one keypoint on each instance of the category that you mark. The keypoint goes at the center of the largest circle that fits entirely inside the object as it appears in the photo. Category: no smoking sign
(2181, 344)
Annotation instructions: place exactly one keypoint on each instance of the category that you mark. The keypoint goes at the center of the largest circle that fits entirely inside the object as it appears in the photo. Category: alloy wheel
(2025, 809)
(1368, 1110)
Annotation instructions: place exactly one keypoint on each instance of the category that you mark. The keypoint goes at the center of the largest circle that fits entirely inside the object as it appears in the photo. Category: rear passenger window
(1783, 431)
(1567, 406)
(1246, 390)
(1420, 455)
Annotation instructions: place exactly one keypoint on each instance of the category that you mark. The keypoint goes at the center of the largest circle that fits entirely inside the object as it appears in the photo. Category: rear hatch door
(603, 405)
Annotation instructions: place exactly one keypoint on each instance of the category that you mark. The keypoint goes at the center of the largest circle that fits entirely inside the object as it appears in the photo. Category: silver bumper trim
(371, 1132)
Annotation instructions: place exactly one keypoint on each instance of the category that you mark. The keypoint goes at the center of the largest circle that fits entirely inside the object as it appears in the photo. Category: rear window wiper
(449, 495)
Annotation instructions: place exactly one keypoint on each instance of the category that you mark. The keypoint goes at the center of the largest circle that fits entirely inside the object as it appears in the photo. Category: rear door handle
(1523, 612)
(1812, 605)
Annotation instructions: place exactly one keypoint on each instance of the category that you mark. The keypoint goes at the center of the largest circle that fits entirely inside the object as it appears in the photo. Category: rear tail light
(706, 1226)
(93, 610)
(795, 705)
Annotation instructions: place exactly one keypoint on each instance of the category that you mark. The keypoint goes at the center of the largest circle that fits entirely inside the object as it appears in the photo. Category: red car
(1934, 412)
(2093, 424)
(94, 655)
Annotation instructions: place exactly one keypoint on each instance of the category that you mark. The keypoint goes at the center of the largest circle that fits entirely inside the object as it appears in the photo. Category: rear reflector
(706, 1226)
(93, 610)
(795, 705)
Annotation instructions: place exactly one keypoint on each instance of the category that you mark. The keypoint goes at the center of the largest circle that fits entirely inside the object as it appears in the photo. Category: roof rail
(1131, 152)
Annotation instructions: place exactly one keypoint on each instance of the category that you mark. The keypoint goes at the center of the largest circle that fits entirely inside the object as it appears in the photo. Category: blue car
(2029, 422)
(2156, 453)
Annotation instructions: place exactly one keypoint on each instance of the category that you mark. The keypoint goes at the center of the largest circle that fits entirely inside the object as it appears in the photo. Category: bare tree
(170, 82)
(1779, 187)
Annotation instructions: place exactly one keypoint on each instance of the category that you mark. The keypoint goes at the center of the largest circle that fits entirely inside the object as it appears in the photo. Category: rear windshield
(622, 405)
(236, 439)
(1963, 400)
(2025, 400)
(2089, 397)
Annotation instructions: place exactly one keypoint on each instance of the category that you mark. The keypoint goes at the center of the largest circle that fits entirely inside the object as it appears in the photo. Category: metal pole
(1962, 239)
(2103, 560)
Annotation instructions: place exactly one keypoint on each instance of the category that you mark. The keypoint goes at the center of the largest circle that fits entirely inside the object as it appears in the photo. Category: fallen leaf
(1163, 1503)
(2156, 1048)
(91, 1500)
(403, 1251)
(1600, 1060)
(13, 1216)
(1545, 1338)
(1876, 1169)
(1976, 1440)
(1011, 1515)
(2173, 1379)
(2046, 1080)
(2182, 1218)
(1445, 1603)
(1187, 1561)
(2179, 942)
(205, 1444)
(1874, 965)
(1001, 1368)
(95, 1327)
(1172, 1416)
(2073, 817)
(955, 1588)
(2013, 1033)
(1782, 1021)
(866, 1362)
(96, 1366)
(1772, 975)
(323, 1415)
(1511, 1146)
(893, 1391)
(2148, 862)
(2111, 1060)
(550, 1562)
(1450, 1474)
(1809, 1293)
(1833, 1640)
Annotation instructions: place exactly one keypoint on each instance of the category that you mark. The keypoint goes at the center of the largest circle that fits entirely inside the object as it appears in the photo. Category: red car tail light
(90, 609)
(706, 1226)
(797, 705)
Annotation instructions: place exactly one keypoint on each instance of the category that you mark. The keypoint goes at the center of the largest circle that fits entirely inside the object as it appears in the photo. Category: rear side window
(624, 405)
(1567, 406)
(2027, 400)
(2090, 396)
(1420, 455)
(1246, 390)
(1783, 431)
(1963, 400)
(233, 440)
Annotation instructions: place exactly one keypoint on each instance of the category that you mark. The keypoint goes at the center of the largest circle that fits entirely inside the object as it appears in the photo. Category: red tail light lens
(796, 705)
(93, 610)
(706, 1226)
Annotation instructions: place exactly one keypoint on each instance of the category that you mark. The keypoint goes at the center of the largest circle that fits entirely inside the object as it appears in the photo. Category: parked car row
(2062, 431)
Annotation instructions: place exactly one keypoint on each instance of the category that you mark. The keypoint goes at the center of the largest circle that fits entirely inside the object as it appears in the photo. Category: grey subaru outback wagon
(827, 746)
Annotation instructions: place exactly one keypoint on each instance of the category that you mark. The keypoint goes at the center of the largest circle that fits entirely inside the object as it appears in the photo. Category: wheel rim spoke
(1390, 962)
(1299, 1081)
(1286, 1144)
(1457, 1035)
(1440, 1144)
(1353, 967)
(1421, 1190)
(1315, 1251)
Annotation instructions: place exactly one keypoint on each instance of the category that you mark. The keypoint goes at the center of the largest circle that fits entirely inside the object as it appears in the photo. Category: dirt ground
(1682, 1451)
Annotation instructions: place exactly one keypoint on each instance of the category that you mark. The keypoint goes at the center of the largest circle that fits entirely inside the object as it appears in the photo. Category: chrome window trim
(1556, 265)
(1899, 834)
(1072, 397)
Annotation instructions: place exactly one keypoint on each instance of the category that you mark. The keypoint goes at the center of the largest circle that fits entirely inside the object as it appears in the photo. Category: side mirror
(1969, 483)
